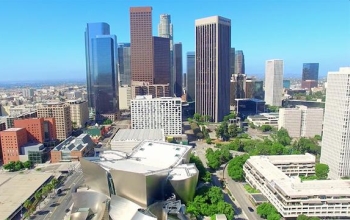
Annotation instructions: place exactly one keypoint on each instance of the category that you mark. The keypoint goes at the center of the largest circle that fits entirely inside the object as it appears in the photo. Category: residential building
(124, 97)
(239, 62)
(141, 44)
(125, 140)
(237, 88)
(335, 140)
(177, 72)
(144, 88)
(12, 140)
(34, 128)
(79, 113)
(213, 45)
(72, 149)
(301, 121)
(310, 76)
(157, 113)
(61, 113)
(191, 76)
(232, 61)
(277, 178)
(92, 30)
(161, 60)
(274, 82)
(124, 52)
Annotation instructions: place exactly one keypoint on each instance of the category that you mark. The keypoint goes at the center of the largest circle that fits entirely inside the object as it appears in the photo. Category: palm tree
(45, 190)
(54, 182)
(27, 204)
(38, 195)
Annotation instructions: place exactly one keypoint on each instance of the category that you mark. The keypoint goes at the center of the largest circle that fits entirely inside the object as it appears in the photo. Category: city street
(56, 207)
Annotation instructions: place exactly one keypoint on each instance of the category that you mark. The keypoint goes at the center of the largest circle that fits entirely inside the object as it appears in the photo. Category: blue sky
(45, 39)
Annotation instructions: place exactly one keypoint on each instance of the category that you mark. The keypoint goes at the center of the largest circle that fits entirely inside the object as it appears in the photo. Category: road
(56, 207)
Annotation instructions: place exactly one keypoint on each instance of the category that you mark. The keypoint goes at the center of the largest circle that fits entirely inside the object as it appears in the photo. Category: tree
(204, 175)
(235, 167)
(229, 116)
(28, 164)
(38, 195)
(108, 122)
(54, 183)
(222, 131)
(283, 137)
(45, 190)
(266, 209)
(196, 117)
(321, 171)
(208, 141)
(304, 217)
(266, 128)
(27, 204)
(10, 166)
(232, 130)
(274, 216)
(308, 145)
(18, 165)
(213, 158)
(318, 137)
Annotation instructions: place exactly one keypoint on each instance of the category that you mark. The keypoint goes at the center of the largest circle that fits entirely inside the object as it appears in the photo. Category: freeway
(56, 207)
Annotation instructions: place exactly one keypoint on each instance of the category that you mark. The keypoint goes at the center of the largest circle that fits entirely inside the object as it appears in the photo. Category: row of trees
(218, 157)
(30, 206)
(204, 175)
(209, 201)
(18, 165)
(196, 130)
(268, 211)
(235, 167)
(225, 131)
(201, 118)
(304, 217)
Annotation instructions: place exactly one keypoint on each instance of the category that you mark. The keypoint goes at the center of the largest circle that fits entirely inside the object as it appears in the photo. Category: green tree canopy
(204, 175)
(235, 167)
(321, 171)
(265, 128)
(266, 209)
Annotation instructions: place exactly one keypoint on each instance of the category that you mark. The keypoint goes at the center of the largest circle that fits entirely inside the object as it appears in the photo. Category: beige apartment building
(301, 121)
(79, 112)
(61, 112)
(124, 97)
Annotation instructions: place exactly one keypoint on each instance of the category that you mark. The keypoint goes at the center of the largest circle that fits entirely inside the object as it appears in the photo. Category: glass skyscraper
(310, 71)
(124, 64)
(101, 69)
(191, 76)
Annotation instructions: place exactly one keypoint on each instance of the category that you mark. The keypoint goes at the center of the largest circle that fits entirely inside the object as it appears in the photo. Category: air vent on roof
(142, 148)
(150, 144)
(177, 155)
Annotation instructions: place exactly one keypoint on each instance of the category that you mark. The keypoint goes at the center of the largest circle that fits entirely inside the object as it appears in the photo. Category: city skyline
(62, 56)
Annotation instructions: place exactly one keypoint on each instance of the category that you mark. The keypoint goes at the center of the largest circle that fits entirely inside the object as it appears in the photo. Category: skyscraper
(165, 28)
(161, 60)
(91, 31)
(232, 61)
(239, 62)
(310, 75)
(124, 64)
(141, 44)
(178, 70)
(335, 151)
(213, 46)
(191, 76)
(104, 77)
(273, 82)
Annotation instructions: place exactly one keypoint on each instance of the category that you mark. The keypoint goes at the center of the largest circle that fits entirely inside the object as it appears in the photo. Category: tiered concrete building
(301, 121)
(61, 113)
(79, 112)
(277, 177)
(273, 82)
(157, 113)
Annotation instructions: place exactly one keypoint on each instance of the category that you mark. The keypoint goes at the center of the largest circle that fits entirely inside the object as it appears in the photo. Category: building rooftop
(23, 184)
(145, 157)
(14, 129)
(293, 186)
(286, 159)
(138, 135)
(74, 143)
(251, 99)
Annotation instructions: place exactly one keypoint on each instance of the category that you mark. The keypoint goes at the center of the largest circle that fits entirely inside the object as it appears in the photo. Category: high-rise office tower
(310, 75)
(101, 65)
(239, 62)
(335, 151)
(124, 64)
(213, 45)
(161, 60)
(184, 81)
(141, 44)
(92, 30)
(178, 69)
(237, 87)
(232, 61)
(165, 28)
(191, 76)
(273, 82)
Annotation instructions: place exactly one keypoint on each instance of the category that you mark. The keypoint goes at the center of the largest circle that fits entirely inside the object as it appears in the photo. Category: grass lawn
(250, 189)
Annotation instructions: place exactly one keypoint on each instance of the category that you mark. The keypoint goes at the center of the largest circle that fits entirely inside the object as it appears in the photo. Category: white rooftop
(148, 156)
(15, 189)
(14, 129)
(183, 171)
(138, 135)
(292, 186)
(286, 159)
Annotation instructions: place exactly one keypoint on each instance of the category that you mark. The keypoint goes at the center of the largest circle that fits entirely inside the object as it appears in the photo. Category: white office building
(124, 97)
(335, 151)
(273, 82)
(301, 121)
(277, 177)
(157, 113)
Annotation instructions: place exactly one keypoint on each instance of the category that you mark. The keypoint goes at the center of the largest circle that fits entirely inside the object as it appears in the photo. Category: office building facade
(161, 60)
(12, 140)
(310, 75)
(61, 113)
(177, 73)
(273, 82)
(237, 88)
(239, 62)
(157, 113)
(213, 45)
(165, 28)
(232, 61)
(34, 128)
(141, 44)
(335, 141)
(191, 76)
(124, 64)
(144, 88)
(79, 113)
(286, 84)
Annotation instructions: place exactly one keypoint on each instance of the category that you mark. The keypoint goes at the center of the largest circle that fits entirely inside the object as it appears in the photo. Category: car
(250, 209)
